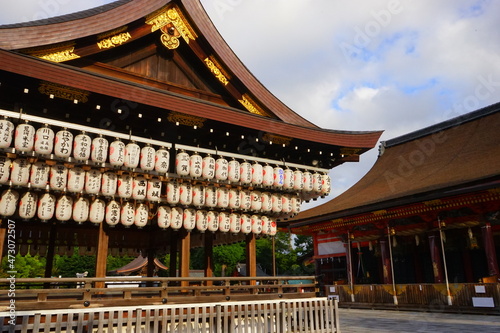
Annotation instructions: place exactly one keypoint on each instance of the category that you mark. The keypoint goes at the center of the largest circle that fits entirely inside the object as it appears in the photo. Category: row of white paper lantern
(109, 184)
(255, 174)
(82, 147)
(80, 210)
(44, 141)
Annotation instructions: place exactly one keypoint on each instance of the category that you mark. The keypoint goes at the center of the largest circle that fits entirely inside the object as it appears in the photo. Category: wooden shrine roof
(457, 156)
(81, 29)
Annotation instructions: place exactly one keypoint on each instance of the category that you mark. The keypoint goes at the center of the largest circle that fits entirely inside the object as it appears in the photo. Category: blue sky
(396, 65)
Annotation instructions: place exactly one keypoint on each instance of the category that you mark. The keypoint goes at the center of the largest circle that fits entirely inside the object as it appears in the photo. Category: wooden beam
(3, 233)
(172, 268)
(102, 255)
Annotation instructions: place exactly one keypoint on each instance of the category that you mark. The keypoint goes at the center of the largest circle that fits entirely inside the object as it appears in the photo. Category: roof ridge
(456, 121)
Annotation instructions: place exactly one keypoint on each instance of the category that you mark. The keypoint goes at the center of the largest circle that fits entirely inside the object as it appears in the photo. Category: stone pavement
(378, 321)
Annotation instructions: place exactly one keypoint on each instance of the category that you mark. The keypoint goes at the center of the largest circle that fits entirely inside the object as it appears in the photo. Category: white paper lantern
(221, 168)
(189, 219)
(97, 211)
(211, 196)
(256, 221)
(308, 181)
(212, 221)
(201, 220)
(233, 171)
(44, 140)
(245, 199)
(27, 205)
(208, 167)
(82, 145)
(222, 197)
(286, 206)
(257, 174)
(109, 184)
(198, 195)
(93, 181)
(125, 186)
(268, 175)
(295, 202)
(245, 173)
(298, 180)
(266, 225)
(76, 180)
(63, 143)
(234, 198)
(141, 215)
(224, 222)
(6, 131)
(162, 160)
(279, 177)
(277, 203)
(272, 227)
(327, 184)
(163, 216)
(139, 188)
(132, 155)
(288, 182)
(20, 172)
(246, 224)
(127, 214)
(195, 165)
(154, 190)
(267, 203)
(234, 223)
(256, 204)
(176, 217)
(173, 192)
(113, 211)
(186, 194)
(46, 207)
(64, 208)
(24, 139)
(81, 210)
(4, 169)
(8, 202)
(58, 177)
(99, 152)
(317, 182)
(117, 153)
(148, 156)
(39, 175)
(182, 163)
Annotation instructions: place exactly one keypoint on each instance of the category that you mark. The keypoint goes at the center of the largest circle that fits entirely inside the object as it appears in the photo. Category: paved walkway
(378, 321)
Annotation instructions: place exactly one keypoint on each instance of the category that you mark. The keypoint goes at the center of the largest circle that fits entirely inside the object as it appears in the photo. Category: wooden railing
(269, 316)
(477, 297)
(63, 293)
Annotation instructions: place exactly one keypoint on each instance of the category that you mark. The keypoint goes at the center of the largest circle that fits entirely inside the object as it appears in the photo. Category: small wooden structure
(423, 222)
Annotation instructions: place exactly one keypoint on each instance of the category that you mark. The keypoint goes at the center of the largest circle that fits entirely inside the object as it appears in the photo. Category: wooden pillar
(489, 248)
(50, 251)
(209, 256)
(185, 256)
(3, 234)
(172, 270)
(251, 242)
(386, 262)
(102, 255)
(436, 260)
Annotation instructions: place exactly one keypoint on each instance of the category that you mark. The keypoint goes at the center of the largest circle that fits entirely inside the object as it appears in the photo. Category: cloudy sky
(396, 65)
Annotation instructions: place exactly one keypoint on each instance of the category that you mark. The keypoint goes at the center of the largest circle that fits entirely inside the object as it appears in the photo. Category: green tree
(228, 256)
(26, 266)
(68, 266)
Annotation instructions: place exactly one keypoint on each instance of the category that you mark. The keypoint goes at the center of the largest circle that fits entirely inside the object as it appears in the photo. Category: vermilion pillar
(489, 248)
(436, 260)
